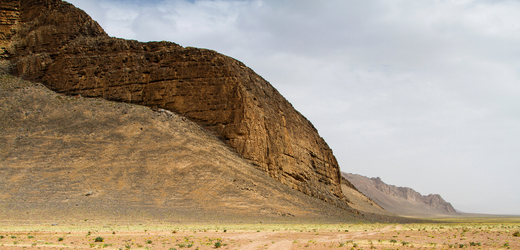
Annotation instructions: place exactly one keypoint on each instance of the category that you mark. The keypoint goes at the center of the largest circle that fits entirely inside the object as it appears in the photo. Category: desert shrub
(149, 242)
(218, 244)
(30, 236)
(393, 241)
(60, 239)
(99, 239)
(516, 234)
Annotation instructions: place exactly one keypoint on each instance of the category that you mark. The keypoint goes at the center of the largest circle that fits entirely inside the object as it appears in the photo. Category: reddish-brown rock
(60, 46)
(9, 11)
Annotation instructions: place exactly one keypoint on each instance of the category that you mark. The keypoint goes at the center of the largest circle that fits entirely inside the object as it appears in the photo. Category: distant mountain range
(401, 200)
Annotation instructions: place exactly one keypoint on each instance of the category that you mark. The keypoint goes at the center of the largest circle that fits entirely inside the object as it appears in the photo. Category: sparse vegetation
(99, 239)
(376, 237)
(475, 244)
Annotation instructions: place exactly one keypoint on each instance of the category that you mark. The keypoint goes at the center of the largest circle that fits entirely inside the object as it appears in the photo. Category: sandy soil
(354, 236)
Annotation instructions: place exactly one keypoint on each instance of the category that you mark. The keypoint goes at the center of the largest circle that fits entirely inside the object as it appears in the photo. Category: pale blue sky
(424, 94)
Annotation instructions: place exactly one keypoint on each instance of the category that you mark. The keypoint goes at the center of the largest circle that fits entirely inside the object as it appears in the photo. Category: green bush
(218, 244)
(99, 239)
(516, 234)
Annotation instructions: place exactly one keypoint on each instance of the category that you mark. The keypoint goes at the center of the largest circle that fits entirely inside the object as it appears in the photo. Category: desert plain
(445, 233)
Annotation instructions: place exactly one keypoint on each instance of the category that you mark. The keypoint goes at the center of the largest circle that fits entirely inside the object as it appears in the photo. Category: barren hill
(72, 158)
(401, 200)
(54, 43)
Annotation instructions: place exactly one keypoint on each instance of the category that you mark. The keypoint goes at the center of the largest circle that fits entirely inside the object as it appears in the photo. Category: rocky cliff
(400, 200)
(9, 16)
(54, 43)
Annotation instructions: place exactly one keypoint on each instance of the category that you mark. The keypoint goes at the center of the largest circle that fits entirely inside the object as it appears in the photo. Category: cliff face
(9, 15)
(400, 200)
(54, 43)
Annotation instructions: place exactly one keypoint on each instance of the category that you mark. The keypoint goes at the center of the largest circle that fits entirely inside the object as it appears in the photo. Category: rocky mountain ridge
(400, 200)
(54, 43)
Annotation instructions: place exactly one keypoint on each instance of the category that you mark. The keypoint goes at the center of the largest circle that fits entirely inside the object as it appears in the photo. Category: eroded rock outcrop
(54, 43)
(9, 15)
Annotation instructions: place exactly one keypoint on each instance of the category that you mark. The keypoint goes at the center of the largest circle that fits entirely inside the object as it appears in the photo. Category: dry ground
(472, 234)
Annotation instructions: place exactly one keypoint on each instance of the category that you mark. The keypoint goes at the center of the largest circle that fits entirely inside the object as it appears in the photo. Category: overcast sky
(424, 94)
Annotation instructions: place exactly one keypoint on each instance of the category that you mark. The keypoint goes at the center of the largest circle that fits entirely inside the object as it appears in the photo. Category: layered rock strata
(9, 11)
(60, 46)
